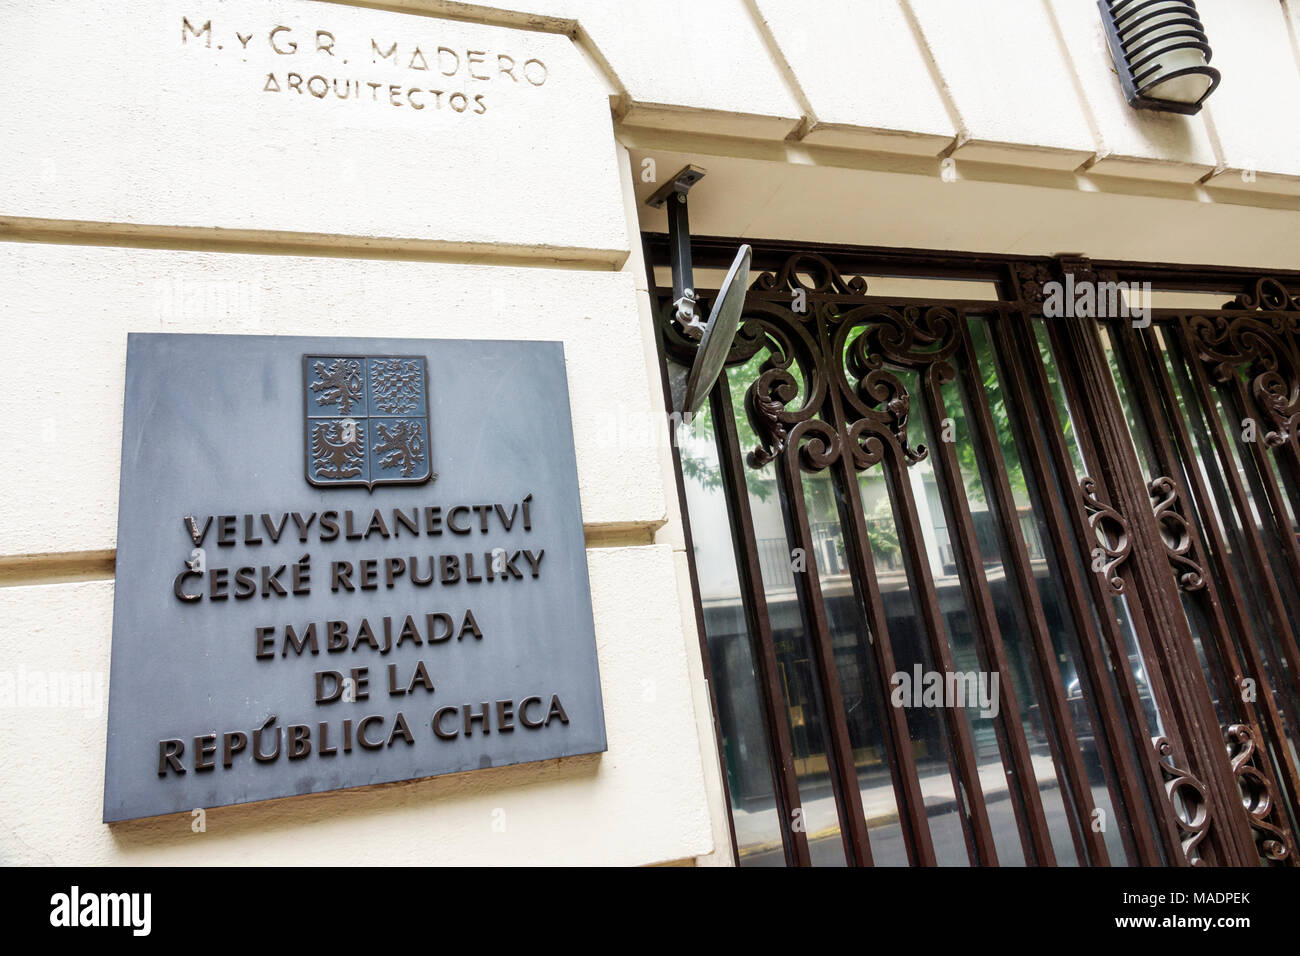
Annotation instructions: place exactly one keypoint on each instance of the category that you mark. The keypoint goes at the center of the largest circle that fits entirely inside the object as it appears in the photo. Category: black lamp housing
(1141, 34)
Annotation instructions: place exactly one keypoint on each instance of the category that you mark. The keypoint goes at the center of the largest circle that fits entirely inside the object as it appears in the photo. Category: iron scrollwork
(807, 313)
(1191, 577)
(1261, 344)
(1273, 842)
(909, 338)
(810, 273)
(766, 401)
(791, 347)
(1267, 295)
(1111, 532)
(1187, 798)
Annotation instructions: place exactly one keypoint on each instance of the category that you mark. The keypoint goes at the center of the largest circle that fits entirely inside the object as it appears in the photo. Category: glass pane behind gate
(975, 552)
(746, 758)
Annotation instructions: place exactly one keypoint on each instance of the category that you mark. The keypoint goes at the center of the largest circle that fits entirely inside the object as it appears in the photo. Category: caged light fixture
(1161, 52)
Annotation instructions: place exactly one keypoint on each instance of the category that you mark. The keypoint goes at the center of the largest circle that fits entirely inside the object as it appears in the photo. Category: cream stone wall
(638, 803)
(192, 165)
(1020, 83)
(309, 118)
(154, 183)
(84, 300)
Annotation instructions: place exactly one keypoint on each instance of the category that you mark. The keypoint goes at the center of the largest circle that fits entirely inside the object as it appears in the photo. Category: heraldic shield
(366, 420)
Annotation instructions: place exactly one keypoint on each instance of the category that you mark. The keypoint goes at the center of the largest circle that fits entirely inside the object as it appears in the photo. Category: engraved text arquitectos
(322, 64)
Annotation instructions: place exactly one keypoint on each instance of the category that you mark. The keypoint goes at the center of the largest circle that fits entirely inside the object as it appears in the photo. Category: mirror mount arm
(690, 386)
(672, 195)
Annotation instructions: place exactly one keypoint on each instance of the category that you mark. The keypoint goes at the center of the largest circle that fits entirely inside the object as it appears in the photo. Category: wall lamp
(1161, 52)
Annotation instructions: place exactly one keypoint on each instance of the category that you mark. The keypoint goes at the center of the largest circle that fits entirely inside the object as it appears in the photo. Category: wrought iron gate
(1101, 513)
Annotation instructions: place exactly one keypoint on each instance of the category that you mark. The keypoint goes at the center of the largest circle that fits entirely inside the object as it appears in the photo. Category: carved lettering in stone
(397, 72)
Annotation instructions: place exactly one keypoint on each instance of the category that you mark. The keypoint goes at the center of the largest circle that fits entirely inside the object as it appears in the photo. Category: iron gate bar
(1220, 550)
(1180, 277)
(1132, 354)
(975, 819)
(717, 252)
(1163, 631)
(1141, 736)
(1221, 656)
(812, 605)
(754, 598)
(904, 773)
(1065, 340)
(1180, 459)
(1013, 748)
(1260, 651)
(1289, 467)
(1064, 343)
(898, 739)
(1241, 501)
(1063, 525)
(962, 767)
(1140, 792)
(1089, 844)
(1272, 491)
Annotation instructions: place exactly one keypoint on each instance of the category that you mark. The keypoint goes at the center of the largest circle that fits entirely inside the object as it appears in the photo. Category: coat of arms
(367, 420)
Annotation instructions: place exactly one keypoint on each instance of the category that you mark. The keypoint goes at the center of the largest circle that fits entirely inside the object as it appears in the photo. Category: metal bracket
(673, 195)
(681, 184)
(690, 386)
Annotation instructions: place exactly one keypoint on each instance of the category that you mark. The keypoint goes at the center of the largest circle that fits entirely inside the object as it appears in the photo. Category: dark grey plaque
(297, 437)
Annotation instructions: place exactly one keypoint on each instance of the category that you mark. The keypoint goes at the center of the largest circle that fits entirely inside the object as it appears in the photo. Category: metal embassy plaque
(343, 562)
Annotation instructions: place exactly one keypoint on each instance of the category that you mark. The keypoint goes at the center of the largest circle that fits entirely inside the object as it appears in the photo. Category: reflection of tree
(1058, 394)
(1003, 424)
(964, 437)
(881, 528)
(704, 470)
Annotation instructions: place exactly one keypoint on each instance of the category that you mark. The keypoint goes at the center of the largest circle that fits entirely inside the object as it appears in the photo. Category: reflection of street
(887, 847)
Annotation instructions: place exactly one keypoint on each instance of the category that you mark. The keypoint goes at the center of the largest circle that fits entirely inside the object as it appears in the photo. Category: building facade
(906, 468)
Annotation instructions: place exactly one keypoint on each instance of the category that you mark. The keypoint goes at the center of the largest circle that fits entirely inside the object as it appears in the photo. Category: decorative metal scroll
(1176, 534)
(1111, 532)
(1260, 345)
(1273, 841)
(1185, 791)
(830, 384)
(1268, 295)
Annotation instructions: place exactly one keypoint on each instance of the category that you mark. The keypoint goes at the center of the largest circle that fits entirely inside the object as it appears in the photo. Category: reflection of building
(725, 620)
